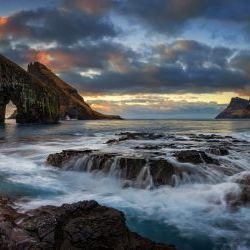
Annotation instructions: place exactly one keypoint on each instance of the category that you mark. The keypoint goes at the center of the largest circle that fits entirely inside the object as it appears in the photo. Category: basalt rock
(125, 136)
(237, 109)
(35, 102)
(218, 151)
(72, 105)
(141, 171)
(82, 225)
(194, 157)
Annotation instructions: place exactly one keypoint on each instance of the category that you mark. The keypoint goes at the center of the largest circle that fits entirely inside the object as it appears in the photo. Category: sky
(137, 58)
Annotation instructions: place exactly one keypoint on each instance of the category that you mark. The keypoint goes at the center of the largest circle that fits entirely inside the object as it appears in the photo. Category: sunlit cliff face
(143, 58)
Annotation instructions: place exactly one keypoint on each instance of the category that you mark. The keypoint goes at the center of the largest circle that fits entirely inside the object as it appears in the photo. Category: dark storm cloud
(172, 16)
(56, 25)
(183, 66)
(82, 34)
(165, 79)
(104, 56)
(242, 62)
(192, 54)
(91, 7)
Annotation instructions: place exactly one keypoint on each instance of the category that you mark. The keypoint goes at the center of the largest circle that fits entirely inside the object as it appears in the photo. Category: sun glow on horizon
(218, 97)
(127, 104)
(3, 20)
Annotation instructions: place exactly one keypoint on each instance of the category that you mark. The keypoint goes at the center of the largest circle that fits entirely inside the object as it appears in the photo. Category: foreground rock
(125, 136)
(195, 157)
(153, 159)
(240, 197)
(82, 225)
(140, 170)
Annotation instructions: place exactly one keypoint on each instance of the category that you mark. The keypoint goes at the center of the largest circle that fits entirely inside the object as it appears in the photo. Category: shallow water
(192, 215)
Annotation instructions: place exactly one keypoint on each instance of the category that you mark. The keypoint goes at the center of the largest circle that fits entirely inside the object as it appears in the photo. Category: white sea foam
(196, 206)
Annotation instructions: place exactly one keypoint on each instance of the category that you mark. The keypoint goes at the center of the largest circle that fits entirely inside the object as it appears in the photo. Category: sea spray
(194, 214)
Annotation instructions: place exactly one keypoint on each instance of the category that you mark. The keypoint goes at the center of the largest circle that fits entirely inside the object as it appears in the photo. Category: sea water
(193, 215)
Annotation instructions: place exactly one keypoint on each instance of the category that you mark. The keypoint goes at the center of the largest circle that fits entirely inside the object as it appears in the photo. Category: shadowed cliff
(237, 109)
(35, 102)
(72, 105)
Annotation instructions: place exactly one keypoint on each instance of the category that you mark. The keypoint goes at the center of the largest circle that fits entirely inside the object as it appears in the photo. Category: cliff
(72, 105)
(35, 102)
(237, 109)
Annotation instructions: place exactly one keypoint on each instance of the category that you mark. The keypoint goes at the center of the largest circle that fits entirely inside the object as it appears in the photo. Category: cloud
(155, 106)
(55, 25)
(91, 7)
(182, 66)
(173, 16)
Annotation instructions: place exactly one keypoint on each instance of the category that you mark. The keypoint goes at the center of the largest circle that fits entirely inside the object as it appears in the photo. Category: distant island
(238, 108)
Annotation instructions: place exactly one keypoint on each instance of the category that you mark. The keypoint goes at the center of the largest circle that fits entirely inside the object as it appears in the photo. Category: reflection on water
(192, 216)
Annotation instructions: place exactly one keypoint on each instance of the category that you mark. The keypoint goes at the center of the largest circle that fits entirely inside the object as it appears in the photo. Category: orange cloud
(56, 60)
(92, 6)
(43, 57)
(102, 107)
(3, 20)
(118, 62)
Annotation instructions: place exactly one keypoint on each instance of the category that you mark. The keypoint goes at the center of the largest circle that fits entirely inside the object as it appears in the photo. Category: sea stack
(238, 108)
(72, 104)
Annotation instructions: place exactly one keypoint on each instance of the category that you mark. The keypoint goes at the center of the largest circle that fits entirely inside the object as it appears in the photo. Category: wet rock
(124, 136)
(150, 147)
(141, 171)
(244, 180)
(59, 159)
(82, 225)
(195, 157)
(218, 151)
(243, 197)
(112, 141)
(239, 199)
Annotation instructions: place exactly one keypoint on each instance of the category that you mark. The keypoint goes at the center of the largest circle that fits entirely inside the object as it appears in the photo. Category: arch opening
(10, 111)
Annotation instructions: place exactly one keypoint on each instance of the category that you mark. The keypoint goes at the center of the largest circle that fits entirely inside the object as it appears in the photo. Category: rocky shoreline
(149, 162)
(81, 225)
(171, 161)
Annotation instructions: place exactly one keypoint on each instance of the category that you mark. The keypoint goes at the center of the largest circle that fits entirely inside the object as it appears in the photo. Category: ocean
(191, 215)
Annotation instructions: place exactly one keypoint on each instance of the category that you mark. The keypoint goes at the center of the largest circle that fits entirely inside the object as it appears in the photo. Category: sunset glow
(3, 20)
(171, 56)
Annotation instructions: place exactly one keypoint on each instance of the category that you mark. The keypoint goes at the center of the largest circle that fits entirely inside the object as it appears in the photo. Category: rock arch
(35, 102)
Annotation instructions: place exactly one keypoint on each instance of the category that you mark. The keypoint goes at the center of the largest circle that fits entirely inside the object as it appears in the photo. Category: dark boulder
(218, 151)
(141, 171)
(194, 157)
(82, 225)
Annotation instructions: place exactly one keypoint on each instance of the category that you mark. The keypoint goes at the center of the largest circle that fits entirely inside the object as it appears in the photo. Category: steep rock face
(71, 103)
(237, 109)
(35, 102)
(82, 225)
